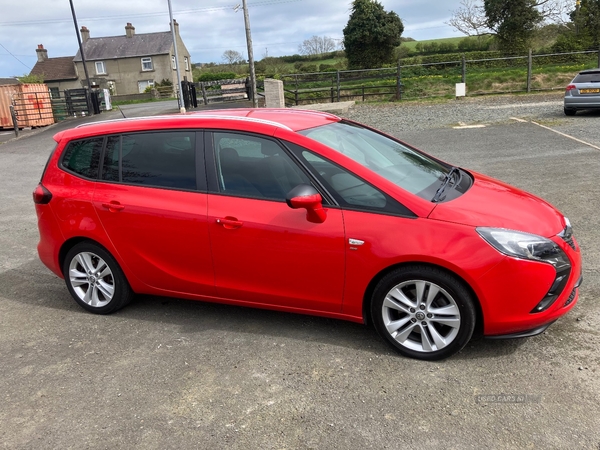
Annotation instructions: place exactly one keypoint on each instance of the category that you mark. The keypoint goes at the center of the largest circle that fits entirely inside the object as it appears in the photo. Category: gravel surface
(545, 109)
(173, 374)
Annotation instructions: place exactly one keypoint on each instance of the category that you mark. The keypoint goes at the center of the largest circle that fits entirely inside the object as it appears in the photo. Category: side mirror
(307, 197)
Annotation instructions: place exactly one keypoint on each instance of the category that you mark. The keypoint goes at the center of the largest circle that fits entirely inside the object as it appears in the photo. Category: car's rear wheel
(423, 312)
(570, 112)
(95, 280)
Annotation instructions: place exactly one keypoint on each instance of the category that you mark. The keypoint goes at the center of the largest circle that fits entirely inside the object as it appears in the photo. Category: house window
(100, 68)
(144, 84)
(54, 92)
(173, 63)
(187, 63)
(147, 64)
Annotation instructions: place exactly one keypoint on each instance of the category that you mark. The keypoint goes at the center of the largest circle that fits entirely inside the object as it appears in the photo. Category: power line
(153, 14)
(243, 46)
(15, 56)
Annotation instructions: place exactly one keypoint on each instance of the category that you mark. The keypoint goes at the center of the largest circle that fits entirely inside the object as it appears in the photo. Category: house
(58, 73)
(9, 81)
(130, 63)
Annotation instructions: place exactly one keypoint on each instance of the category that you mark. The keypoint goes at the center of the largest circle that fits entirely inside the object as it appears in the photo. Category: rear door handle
(113, 206)
(229, 223)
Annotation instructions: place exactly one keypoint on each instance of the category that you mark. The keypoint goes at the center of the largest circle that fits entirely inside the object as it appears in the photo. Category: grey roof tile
(114, 47)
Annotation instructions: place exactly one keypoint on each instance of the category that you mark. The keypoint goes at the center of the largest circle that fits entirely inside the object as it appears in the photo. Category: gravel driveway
(167, 373)
(546, 109)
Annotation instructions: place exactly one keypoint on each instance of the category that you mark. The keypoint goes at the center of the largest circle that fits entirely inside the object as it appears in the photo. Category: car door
(264, 252)
(152, 201)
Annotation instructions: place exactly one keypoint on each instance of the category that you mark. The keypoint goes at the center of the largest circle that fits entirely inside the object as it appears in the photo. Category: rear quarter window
(83, 157)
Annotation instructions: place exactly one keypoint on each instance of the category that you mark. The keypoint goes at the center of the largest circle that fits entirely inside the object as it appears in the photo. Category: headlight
(525, 246)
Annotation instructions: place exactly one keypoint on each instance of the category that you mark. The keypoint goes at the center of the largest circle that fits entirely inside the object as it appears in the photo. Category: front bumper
(514, 287)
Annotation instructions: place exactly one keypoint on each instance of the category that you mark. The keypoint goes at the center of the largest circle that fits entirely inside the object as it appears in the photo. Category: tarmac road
(167, 373)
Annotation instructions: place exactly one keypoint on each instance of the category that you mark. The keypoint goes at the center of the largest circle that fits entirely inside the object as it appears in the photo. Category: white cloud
(208, 28)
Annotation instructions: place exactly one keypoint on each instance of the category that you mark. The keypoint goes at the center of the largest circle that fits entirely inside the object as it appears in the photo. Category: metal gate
(225, 90)
(188, 89)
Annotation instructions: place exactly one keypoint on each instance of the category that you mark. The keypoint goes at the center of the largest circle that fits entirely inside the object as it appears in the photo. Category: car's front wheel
(95, 280)
(423, 312)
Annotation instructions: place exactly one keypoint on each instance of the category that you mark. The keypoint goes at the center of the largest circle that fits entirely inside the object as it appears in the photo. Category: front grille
(571, 297)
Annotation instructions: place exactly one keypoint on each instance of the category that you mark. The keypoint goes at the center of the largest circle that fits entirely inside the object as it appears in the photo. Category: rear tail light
(571, 87)
(41, 195)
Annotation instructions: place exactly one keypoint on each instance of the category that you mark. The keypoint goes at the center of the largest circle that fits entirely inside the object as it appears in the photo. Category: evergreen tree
(587, 22)
(371, 35)
(514, 22)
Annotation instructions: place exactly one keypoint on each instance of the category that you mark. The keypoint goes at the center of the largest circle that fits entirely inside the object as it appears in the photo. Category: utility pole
(250, 56)
(180, 90)
(577, 5)
(87, 77)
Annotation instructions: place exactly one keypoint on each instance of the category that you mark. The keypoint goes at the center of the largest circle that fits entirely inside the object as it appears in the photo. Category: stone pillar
(274, 93)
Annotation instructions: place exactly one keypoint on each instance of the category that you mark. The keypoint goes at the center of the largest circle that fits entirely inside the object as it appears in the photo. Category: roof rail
(191, 117)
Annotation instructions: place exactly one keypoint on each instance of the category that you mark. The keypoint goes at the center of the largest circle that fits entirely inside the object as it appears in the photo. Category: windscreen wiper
(442, 188)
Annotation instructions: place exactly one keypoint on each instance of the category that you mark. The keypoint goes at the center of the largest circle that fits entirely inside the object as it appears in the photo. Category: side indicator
(355, 243)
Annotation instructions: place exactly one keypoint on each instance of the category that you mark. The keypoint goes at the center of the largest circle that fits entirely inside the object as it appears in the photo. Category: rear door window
(164, 159)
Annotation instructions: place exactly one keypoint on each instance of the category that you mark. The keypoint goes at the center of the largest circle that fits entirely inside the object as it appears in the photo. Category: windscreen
(397, 163)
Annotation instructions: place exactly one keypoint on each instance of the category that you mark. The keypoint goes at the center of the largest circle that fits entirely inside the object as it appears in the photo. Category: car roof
(267, 119)
(589, 71)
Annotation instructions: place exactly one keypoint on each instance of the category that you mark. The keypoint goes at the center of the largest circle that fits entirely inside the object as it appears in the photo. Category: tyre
(570, 112)
(95, 280)
(423, 312)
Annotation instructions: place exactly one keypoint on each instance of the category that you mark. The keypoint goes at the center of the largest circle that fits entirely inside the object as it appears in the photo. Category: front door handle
(113, 206)
(229, 223)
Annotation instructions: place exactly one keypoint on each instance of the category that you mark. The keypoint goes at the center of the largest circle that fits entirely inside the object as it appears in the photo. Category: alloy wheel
(421, 316)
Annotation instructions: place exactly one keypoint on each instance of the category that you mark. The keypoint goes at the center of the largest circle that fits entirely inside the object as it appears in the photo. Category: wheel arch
(73, 241)
(368, 296)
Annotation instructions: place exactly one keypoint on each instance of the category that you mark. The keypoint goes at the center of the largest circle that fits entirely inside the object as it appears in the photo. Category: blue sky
(208, 27)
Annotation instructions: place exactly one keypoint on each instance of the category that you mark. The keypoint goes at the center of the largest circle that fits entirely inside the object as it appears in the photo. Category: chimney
(129, 30)
(42, 53)
(85, 34)
(176, 25)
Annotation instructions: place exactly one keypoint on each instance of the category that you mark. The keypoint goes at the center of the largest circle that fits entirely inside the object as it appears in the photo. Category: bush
(308, 68)
(217, 76)
(570, 42)
(327, 68)
(294, 58)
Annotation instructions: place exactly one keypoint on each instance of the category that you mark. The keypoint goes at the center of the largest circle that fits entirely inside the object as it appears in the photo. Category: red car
(302, 212)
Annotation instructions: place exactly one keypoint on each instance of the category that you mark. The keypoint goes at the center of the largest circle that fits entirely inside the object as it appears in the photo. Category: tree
(232, 57)
(317, 45)
(470, 18)
(33, 79)
(371, 35)
(514, 22)
(587, 22)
